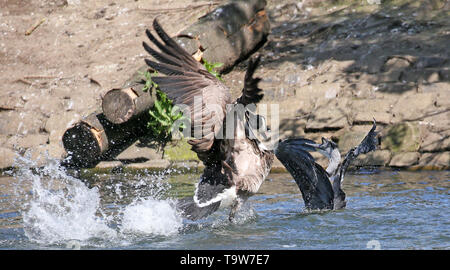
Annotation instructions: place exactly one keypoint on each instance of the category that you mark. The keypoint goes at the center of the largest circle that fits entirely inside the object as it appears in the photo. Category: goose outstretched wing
(187, 82)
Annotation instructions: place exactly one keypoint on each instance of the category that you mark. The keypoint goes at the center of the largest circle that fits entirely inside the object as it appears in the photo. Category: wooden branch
(36, 25)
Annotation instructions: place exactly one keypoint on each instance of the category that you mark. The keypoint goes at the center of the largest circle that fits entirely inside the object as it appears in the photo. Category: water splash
(152, 217)
(57, 208)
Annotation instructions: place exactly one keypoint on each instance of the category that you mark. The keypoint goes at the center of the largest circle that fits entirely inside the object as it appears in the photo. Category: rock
(55, 136)
(317, 90)
(14, 122)
(434, 161)
(438, 122)
(292, 108)
(393, 68)
(159, 164)
(42, 153)
(48, 105)
(352, 138)
(109, 164)
(365, 110)
(430, 61)
(397, 89)
(443, 98)
(37, 155)
(444, 75)
(329, 114)
(27, 141)
(436, 87)
(404, 159)
(7, 157)
(8, 102)
(361, 89)
(376, 158)
(55, 150)
(137, 151)
(3, 139)
(320, 159)
(417, 76)
(414, 106)
(61, 121)
(277, 167)
(402, 137)
(434, 142)
(433, 78)
(292, 128)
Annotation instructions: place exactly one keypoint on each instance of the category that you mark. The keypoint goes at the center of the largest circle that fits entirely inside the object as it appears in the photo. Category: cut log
(95, 138)
(120, 105)
(227, 35)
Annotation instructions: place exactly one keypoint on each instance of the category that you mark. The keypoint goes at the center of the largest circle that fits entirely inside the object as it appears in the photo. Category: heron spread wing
(310, 177)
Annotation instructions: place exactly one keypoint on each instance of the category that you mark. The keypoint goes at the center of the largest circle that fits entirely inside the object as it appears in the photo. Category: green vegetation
(210, 67)
(147, 78)
(180, 152)
(163, 113)
(163, 117)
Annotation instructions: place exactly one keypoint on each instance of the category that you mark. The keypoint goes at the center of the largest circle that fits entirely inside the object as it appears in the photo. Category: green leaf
(210, 68)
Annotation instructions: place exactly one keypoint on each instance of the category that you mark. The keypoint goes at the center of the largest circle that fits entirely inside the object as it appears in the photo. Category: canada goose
(234, 167)
(320, 188)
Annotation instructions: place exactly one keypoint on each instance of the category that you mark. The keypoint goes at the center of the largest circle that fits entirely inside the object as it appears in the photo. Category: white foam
(60, 207)
(151, 216)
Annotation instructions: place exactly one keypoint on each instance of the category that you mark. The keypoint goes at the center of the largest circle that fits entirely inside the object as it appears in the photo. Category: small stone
(434, 77)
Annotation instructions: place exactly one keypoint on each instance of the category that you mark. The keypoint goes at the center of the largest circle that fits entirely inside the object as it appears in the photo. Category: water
(52, 208)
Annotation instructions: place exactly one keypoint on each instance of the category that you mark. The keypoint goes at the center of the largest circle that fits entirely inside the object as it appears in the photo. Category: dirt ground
(330, 66)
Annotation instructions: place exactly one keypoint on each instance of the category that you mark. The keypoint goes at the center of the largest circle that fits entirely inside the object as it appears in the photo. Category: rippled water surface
(56, 209)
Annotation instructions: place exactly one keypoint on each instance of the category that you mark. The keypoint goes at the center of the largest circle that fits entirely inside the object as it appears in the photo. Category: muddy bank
(331, 68)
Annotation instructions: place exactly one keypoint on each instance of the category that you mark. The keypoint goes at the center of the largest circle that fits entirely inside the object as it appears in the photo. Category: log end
(119, 105)
(83, 143)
